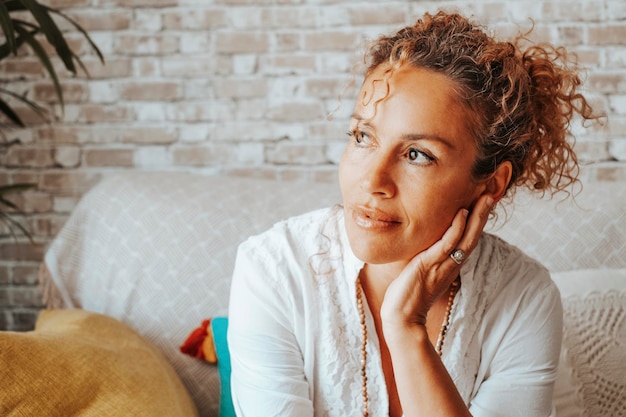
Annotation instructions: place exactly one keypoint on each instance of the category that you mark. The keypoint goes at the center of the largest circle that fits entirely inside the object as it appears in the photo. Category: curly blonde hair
(522, 101)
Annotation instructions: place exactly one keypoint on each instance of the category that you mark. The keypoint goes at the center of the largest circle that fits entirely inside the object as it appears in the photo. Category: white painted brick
(101, 91)
(150, 112)
(245, 18)
(195, 132)
(334, 150)
(180, 50)
(201, 89)
(251, 109)
(67, 156)
(244, 131)
(146, 67)
(249, 153)
(175, 66)
(577, 128)
(71, 113)
(615, 126)
(244, 64)
(617, 103)
(339, 109)
(261, 130)
(339, 62)
(328, 130)
(288, 64)
(195, 42)
(201, 111)
(64, 204)
(615, 57)
(104, 41)
(607, 171)
(617, 148)
(285, 88)
(288, 17)
(294, 131)
(240, 87)
(616, 10)
(283, 42)
(223, 64)
(24, 135)
(334, 16)
(296, 111)
(147, 20)
(592, 150)
(152, 156)
(287, 152)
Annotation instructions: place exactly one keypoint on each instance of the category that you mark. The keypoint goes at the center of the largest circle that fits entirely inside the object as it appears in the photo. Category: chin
(375, 254)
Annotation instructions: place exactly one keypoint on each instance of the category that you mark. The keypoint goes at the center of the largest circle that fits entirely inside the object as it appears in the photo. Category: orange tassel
(199, 343)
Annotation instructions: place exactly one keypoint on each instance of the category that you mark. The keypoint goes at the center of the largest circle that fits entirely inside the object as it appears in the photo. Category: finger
(450, 239)
(475, 225)
(439, 252)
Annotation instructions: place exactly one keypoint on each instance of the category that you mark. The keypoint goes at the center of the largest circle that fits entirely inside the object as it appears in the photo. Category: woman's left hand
(429, 274)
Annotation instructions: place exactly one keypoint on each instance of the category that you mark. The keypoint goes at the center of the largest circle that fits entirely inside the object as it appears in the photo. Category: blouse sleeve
(521, 345)
(267, 364)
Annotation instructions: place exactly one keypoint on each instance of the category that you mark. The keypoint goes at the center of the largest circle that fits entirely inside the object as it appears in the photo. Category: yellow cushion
(79, 363)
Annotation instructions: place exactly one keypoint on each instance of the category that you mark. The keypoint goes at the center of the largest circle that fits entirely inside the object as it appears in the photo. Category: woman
(397, 303)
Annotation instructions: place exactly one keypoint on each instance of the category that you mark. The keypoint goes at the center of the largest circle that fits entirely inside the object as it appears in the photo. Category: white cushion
(587, 232)
(592, 373)
(156, 251)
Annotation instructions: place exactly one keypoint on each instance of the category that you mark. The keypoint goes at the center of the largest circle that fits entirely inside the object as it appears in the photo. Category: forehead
(412, 100)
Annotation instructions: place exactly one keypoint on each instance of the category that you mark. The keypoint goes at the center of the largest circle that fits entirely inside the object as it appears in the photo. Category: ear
(497, 183)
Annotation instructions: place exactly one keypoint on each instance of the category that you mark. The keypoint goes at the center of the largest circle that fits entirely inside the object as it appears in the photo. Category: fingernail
(464, 212)
(490, 202)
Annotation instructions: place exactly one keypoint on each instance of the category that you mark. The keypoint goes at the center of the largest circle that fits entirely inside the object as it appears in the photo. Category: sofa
(153, 252)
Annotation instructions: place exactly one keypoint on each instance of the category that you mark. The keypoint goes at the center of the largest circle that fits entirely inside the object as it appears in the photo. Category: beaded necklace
(454, 288)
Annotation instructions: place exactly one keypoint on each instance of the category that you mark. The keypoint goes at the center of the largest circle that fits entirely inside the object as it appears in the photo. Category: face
(406, 171)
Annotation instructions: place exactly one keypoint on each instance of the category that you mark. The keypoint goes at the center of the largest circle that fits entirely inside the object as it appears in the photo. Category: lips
(372, 218)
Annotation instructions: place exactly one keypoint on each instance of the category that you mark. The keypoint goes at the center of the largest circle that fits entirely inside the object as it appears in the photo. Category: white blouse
(295, 337)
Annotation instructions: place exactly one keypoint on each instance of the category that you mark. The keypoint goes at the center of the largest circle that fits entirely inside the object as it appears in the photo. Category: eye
(359, 137)
(418, 157)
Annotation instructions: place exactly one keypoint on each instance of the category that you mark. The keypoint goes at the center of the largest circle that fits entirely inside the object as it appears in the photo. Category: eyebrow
(408, 137)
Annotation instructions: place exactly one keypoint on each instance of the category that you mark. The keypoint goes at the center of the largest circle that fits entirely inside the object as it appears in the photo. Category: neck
(384, 273)
(375, 278)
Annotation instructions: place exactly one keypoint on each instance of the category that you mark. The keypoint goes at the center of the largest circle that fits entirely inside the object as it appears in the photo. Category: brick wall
(244, 87)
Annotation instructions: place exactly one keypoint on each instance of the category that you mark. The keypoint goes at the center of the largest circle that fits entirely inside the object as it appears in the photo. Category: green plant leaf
(26, 32)
(92, 44)
(8, 203)
(7, 28)
(49, 28)
(13, 189)
(10, 114)
(33, 106)
(6, 217)
(14, 5)
(5, 48)
(16, 188)
(12, 223)
(43, 57)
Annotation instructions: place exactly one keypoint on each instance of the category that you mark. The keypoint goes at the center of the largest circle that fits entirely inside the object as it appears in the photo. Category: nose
(378, 175)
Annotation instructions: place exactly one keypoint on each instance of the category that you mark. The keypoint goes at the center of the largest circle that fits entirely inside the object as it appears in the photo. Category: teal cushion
(219, 327)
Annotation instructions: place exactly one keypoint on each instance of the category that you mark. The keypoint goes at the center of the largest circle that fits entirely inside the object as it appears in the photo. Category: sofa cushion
(156, 251)
(592, 371)
(106, 368)
(564, 234)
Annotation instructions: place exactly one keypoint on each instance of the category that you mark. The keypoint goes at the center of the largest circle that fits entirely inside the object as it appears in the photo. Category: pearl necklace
(454, 288)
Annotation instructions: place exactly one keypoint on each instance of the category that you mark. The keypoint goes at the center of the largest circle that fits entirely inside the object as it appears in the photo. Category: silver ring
(458, 256)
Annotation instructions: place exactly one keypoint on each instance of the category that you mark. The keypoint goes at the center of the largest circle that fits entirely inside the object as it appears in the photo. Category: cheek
(345, 171)
(433, 209)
